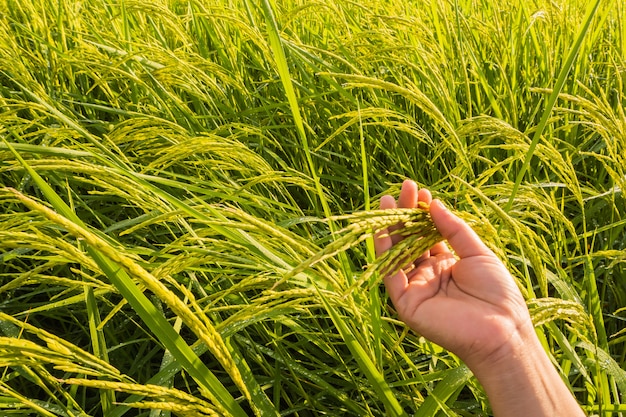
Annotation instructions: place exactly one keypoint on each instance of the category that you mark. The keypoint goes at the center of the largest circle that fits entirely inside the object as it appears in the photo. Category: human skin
(468, 303)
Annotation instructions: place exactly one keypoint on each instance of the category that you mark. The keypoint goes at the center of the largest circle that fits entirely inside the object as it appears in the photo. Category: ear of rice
(418, 232)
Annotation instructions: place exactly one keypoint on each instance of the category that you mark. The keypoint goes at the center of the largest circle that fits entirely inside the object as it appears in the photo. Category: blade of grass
(283, 70)
(375, 304)
(98, 343)
(366, 365)
(594, 309)
(452, 383)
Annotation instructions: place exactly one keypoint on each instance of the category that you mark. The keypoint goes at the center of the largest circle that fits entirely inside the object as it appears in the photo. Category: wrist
(513, 350)
(520, 380)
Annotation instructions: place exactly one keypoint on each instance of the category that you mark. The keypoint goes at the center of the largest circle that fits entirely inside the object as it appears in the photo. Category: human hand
(469, 303)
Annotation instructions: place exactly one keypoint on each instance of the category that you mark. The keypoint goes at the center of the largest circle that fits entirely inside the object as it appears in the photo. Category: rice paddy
(189, 191)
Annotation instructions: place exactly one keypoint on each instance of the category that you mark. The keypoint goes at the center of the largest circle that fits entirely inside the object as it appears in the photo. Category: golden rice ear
(418, 235)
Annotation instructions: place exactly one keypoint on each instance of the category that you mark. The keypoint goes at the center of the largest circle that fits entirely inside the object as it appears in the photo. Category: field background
(166, 165)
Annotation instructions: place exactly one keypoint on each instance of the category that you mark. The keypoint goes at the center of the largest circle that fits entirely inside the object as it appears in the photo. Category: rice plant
(189, 193)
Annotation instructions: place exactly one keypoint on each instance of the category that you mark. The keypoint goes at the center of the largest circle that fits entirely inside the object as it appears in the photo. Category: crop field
(184, 188)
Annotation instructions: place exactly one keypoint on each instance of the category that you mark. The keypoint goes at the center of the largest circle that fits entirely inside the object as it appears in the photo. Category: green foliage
(184, 184)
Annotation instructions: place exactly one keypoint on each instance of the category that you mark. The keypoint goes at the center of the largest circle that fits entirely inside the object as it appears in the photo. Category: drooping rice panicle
(415, 227)
(162, 398)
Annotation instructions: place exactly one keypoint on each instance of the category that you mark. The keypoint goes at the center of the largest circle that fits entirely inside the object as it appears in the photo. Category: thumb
(461, 237)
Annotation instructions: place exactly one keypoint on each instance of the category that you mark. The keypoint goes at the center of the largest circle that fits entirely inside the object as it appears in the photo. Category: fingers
(382, 240)
(408, 195)
(424, 196)
(439, 248)
(387, 202)
(407, 199)
(459, 234)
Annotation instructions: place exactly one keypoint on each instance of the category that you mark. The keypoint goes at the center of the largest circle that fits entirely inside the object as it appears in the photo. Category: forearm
(524, 383)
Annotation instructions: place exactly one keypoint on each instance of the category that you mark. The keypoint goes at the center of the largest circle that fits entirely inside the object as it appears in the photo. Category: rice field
(189, 190)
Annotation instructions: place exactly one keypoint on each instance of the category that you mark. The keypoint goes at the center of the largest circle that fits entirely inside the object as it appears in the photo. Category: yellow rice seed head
(58, 347)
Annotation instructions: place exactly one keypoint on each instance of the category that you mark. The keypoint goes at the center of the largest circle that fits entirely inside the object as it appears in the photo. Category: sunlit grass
(183, 186)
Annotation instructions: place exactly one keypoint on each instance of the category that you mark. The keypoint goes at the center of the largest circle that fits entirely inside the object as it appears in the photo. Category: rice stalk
(416, 96)
(212, 339)
(58, 352)
(162, 398)
(21, 401)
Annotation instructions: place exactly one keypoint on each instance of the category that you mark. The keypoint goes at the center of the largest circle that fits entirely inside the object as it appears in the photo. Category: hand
(469, 305)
